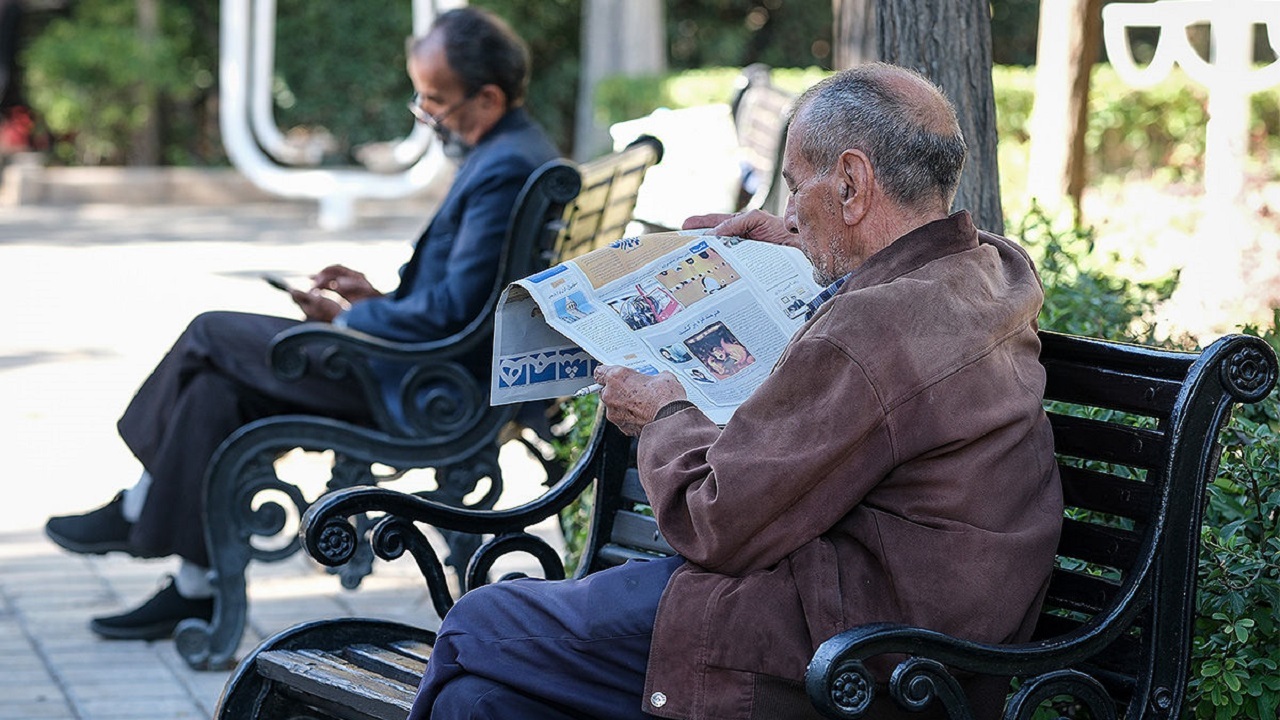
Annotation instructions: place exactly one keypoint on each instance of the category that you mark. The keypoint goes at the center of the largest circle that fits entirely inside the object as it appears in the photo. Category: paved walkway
(95, 295)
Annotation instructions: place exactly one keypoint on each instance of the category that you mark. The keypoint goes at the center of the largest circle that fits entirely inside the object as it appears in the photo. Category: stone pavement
(96, 293)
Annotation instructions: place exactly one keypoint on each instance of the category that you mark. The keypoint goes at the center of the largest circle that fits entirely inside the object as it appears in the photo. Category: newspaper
(715, 311)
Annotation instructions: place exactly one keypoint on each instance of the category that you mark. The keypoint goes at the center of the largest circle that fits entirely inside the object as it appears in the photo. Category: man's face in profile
(440, 99)
(813, 210)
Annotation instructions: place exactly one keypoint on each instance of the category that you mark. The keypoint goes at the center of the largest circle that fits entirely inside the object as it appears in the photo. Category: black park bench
(563, 210)
(1136, 433)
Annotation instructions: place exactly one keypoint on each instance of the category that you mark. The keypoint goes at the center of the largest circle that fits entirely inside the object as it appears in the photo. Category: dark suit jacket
(454, 265)
(455, 261)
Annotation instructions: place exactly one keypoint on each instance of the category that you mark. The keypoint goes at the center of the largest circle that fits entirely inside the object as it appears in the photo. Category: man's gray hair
(913, 140)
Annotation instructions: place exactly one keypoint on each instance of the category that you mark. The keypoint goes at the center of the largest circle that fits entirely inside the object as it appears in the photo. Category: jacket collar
(916, 249)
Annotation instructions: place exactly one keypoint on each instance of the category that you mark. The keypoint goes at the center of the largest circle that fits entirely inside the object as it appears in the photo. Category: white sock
(135, 497)
(192, 581)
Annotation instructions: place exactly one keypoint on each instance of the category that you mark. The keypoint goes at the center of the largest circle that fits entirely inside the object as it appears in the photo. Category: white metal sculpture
(1229, 73)
(258, 149)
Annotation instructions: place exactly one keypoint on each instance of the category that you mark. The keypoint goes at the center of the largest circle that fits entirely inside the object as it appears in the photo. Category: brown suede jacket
(896, 466)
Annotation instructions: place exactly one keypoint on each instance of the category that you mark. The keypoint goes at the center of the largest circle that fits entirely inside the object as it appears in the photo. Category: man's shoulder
(519, 143)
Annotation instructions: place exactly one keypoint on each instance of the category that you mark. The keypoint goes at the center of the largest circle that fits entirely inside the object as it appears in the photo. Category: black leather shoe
(155, 619)
(94, 533)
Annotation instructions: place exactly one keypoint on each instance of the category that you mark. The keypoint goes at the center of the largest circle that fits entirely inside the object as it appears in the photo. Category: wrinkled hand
(348, 283)
(632, 399)
(315, 306)
(753, 225)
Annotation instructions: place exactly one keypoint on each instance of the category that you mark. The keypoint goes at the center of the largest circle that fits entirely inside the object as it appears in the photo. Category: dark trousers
(535, 649)
(216, 378)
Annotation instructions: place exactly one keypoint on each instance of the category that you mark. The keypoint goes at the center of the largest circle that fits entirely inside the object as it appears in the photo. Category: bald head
(903, 122)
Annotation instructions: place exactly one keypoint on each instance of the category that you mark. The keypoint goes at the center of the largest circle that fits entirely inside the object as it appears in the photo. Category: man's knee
(478, 609)
(470, 697)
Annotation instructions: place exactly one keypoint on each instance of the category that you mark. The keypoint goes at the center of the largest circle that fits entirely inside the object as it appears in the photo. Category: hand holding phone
(277, 282)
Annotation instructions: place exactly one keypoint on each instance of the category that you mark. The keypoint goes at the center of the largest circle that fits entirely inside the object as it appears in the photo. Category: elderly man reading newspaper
(895, 465)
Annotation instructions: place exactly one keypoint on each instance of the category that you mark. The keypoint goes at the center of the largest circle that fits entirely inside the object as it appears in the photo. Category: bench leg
(238, 474)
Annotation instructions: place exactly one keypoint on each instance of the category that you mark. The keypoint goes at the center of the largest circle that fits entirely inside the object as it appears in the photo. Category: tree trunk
(855, 32)
(1067, 47)
(949, 41)
(144, 145)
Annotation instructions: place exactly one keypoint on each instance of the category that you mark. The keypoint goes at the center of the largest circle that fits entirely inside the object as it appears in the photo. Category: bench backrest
(759, 117)
(1135, 433)
(604, 206)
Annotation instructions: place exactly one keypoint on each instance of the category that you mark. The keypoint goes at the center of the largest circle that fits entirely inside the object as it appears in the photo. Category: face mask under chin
(454, 147)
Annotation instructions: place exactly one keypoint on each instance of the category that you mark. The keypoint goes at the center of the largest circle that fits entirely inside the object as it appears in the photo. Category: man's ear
(492, 98)
(857, 179)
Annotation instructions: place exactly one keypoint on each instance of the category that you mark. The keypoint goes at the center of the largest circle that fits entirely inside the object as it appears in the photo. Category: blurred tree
(10, 16)
(737, 33)
(1070, 36)
(619, 38)
(959, 61)
(1013, 31)
(144, 143)
(85, 72)
(855, 32)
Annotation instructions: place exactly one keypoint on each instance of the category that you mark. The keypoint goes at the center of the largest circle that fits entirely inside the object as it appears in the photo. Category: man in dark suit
(470, 72)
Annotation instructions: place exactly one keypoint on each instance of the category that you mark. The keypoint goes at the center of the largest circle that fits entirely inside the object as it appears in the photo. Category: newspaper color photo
(715, 311)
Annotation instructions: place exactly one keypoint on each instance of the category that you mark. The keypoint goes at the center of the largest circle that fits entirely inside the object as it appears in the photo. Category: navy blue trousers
(539, 649)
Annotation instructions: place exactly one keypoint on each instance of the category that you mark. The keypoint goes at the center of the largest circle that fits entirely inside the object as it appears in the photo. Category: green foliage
(579, 416)
(1236, 650)
(1156, 131)
(1014, 31)
(737, 33)
(1083, 294)
(86, 74)
(340, 66)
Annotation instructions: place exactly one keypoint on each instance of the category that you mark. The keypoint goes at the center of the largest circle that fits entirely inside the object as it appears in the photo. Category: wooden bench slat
(1096, 440)
(1101, 492)
(634, 530)
(1110, 547)
(1072, 590)
(416, 650)
(611, 555)
(386, 662)
(632, 490)
(1090, 385)
(325, 677)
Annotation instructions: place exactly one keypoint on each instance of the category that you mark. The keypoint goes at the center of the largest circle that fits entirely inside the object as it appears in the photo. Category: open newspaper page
(716, 311)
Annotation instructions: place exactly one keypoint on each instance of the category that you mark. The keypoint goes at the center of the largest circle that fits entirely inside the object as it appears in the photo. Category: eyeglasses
(435, 122)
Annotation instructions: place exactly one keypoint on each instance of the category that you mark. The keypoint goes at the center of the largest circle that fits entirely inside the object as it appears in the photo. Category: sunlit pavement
(95, 295)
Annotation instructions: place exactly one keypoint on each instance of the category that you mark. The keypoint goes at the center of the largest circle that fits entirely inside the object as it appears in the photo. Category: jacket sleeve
(434, 308)
(795, 458)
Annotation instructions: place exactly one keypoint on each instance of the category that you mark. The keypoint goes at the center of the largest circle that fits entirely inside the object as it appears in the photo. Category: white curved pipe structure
(255, 145)
(1230, 74)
